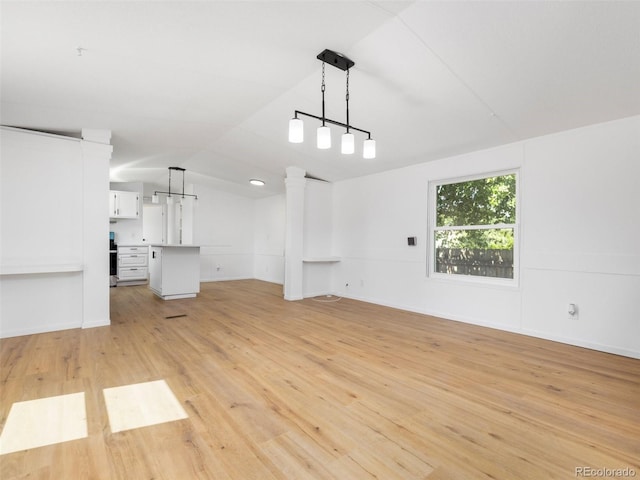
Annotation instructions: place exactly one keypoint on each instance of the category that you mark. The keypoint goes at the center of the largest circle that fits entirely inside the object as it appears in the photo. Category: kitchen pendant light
(348, 145)
(369, 149)
(296, 130)
(155, 197)
(323, 137)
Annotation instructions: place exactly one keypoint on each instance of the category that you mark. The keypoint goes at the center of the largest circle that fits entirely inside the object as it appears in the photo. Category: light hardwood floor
(323, 390)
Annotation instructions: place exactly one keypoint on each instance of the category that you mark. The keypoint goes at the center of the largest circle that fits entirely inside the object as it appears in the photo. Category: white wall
(41, 198)
(54, 260)
(223, 226)
(580, 224)
(318, 239)
(582, 237)
(269, 233)
(318, 219)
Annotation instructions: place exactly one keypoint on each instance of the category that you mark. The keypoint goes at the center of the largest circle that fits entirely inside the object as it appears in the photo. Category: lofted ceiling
(211, 85)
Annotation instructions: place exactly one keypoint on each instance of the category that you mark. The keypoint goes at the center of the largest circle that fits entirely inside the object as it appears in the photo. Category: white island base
(174, 271)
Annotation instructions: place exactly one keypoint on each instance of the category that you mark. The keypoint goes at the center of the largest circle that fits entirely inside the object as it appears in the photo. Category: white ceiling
(210, 85)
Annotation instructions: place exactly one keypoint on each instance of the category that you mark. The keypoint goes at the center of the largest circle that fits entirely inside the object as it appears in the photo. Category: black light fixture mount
(296, 128)
(336, 59)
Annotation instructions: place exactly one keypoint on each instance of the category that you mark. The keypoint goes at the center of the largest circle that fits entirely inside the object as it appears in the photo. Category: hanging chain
(323, 116)
(347, 98)
(347, 85)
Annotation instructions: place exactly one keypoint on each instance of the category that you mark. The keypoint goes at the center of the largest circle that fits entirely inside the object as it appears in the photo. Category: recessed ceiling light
(256, 182)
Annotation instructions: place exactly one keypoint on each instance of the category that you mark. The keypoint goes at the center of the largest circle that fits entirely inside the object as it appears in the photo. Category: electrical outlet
(572, 311)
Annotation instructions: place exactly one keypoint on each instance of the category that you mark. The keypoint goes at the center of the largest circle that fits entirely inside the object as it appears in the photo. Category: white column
(188, 214)
(96, 153)
(293, 249)
(173, 220)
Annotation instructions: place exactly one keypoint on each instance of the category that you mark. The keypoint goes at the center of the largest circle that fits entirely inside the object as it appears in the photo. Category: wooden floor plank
(277, 390)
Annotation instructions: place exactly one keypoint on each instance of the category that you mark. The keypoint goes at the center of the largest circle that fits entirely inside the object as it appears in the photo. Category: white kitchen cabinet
(174, 271)
(124, 204)
(133, 264)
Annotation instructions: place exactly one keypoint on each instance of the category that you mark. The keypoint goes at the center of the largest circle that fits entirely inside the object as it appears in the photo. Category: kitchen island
(174, 270)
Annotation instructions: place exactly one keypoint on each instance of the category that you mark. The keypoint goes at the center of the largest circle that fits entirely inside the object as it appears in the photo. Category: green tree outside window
(475, 226)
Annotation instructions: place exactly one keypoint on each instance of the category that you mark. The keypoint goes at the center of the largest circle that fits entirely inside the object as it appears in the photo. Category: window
(473, 228)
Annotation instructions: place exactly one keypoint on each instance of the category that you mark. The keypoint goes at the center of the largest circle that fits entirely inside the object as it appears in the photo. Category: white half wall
(54, 260)
(579, 226)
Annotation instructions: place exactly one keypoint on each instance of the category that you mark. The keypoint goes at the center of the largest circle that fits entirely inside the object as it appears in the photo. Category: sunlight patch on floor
(141, 405)
(45, 421)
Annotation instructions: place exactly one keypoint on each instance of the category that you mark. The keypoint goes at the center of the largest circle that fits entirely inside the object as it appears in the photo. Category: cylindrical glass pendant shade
(348, 143)
(324, 137)
(155, 198)
(296, 130)
(369, 149)
(169, 200)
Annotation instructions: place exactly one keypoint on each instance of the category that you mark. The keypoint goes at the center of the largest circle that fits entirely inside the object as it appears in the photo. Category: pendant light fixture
(155, 197)
(323, 135)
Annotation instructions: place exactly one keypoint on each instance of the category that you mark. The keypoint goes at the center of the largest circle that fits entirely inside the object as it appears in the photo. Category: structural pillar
(96, 154)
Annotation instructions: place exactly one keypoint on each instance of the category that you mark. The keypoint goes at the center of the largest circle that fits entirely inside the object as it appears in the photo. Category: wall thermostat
(411, 241)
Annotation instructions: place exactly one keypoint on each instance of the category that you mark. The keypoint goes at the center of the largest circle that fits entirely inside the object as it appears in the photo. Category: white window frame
(432, 229)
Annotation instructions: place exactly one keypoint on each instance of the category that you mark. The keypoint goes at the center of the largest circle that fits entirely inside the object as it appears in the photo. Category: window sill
(470, 280)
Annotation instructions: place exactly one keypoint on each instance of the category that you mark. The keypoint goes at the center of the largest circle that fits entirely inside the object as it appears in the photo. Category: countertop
(165, 245)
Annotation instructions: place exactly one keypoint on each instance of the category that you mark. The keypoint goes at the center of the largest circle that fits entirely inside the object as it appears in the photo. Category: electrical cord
(333, 299)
